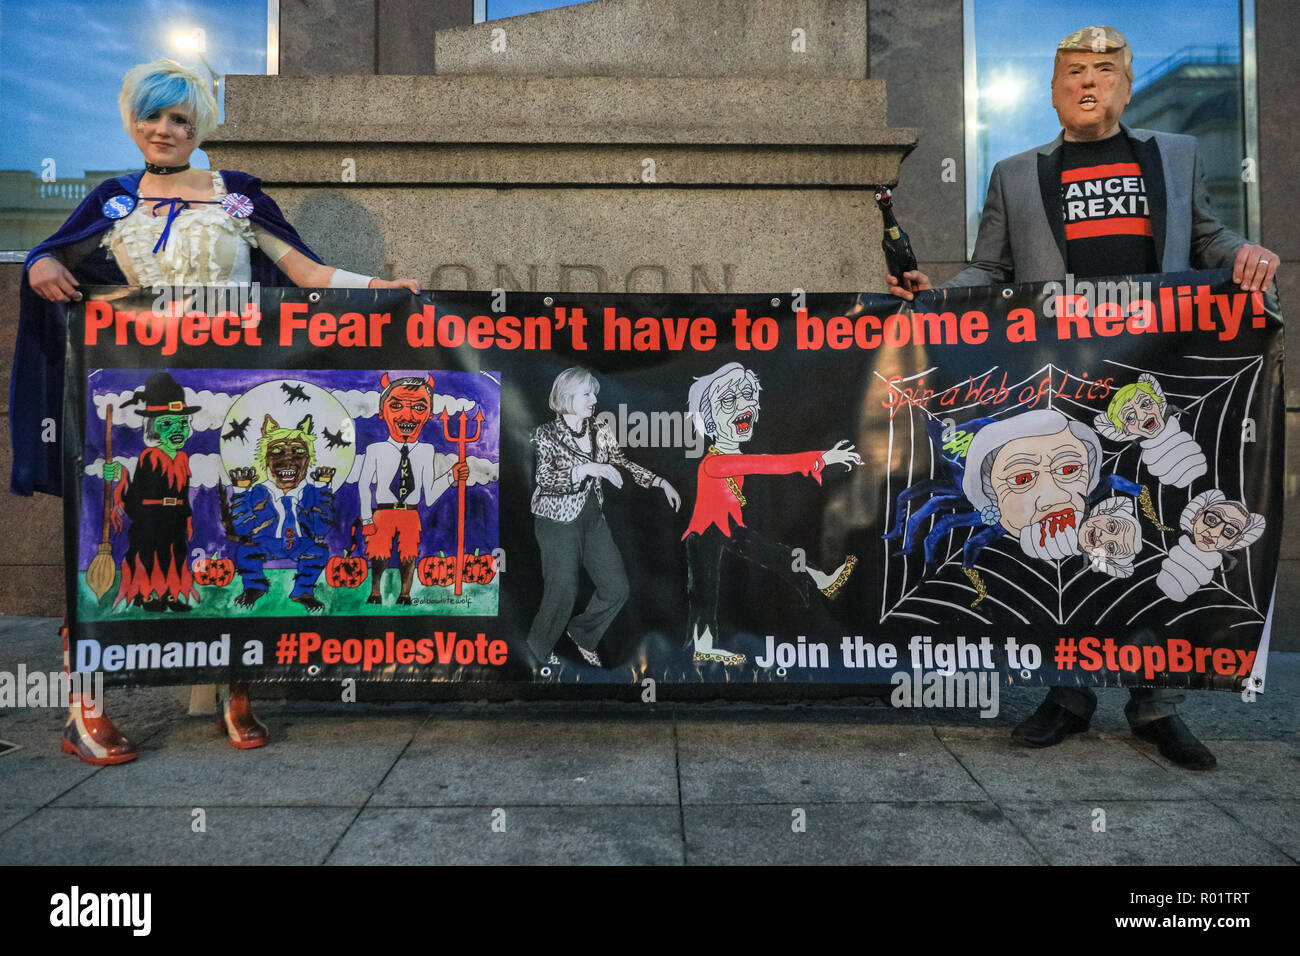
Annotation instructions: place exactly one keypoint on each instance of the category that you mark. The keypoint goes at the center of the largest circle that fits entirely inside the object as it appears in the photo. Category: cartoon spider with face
(1031, 476)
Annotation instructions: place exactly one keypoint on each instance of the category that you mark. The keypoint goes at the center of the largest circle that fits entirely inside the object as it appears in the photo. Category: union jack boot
(88, 735)
(237, 721)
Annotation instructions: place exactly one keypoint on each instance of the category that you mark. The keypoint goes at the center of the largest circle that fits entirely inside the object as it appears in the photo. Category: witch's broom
(102, 571)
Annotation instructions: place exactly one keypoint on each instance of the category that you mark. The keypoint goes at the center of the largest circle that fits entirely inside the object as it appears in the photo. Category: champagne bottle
(899, 257)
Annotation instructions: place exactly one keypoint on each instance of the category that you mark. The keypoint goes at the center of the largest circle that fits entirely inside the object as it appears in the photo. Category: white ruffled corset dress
(206, 245)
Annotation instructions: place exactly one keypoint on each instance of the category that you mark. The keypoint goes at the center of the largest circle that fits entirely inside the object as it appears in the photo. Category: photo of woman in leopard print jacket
(576, 454)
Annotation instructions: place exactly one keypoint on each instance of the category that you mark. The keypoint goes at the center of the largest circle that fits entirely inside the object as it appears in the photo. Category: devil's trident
(460, 441)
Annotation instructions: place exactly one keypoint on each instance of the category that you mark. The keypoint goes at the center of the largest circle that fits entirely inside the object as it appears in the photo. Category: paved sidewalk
(647, 783)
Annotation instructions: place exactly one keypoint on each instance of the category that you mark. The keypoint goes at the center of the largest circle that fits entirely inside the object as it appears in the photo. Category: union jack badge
(237, 205)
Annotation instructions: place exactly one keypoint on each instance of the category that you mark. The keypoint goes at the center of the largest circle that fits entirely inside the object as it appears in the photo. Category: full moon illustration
(288, 402)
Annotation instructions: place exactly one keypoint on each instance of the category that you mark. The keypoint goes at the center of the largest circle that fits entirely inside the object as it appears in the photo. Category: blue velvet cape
(36, 387)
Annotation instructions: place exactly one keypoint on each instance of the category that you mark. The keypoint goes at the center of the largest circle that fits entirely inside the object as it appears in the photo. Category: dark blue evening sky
(62, 61)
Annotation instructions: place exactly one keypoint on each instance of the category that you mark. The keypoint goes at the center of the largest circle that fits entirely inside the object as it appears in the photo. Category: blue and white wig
(151, 87)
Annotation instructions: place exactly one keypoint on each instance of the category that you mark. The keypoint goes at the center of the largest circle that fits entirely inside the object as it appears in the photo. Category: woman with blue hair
(173, 224)
(167, 225)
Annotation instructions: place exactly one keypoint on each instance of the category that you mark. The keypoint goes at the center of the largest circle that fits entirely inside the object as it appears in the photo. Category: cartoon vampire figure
(1032, 476)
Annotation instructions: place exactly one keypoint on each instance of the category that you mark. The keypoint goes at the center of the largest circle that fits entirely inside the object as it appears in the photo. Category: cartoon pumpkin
(346, 571)
(214, 572)
(437, 570)
(479, 568)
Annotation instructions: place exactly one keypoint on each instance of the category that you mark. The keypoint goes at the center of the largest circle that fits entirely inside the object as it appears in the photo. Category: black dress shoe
(1049, 725)
(1176, 743)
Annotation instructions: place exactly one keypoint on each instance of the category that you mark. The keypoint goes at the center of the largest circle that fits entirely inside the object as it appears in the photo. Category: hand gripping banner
(1059, 484)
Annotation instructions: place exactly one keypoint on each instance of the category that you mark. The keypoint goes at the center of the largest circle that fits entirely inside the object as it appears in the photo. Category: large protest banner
(1056, 484)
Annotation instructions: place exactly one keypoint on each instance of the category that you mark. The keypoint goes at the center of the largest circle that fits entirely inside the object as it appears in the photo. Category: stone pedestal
(620, 145)
(750, 172)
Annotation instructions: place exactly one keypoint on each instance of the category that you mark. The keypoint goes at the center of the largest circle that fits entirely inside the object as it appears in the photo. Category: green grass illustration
(475, 600)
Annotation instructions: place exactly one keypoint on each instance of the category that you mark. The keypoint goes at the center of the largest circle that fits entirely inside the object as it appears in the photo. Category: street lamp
(1002, 93)
(196, 42)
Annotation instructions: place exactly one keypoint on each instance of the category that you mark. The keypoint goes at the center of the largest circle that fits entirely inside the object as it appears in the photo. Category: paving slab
(764, 761)
(855, 834)
(1247, 770)
(1140, 833)
(549, 836)
(137, 712)
(598, 782)
(536, 759)
(311, 761)
(32, 778)
(1274, 821)
(33, 640)
(9, 816)
(129, 836)
(39, 772)
(1213, 715)
(1090, 765)
(1273, 714)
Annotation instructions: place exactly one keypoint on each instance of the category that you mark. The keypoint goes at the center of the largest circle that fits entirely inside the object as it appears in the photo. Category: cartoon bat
(295, 393)
(237, 431)
(335, 439)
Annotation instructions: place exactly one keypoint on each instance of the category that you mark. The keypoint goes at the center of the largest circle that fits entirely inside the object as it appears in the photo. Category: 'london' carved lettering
(585, 277)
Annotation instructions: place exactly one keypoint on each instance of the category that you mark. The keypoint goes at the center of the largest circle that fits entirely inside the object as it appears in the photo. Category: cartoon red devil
(394, 475)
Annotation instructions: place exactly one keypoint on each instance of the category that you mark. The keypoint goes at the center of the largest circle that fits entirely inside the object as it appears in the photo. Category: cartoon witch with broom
(155, 572)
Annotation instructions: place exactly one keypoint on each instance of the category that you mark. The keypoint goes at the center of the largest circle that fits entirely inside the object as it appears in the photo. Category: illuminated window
(500, 9)
(1191, 74)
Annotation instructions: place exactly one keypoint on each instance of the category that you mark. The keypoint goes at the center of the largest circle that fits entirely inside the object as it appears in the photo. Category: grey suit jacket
(1022, 230)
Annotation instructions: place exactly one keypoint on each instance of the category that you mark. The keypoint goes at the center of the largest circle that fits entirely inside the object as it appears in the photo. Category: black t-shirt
(1107, 215)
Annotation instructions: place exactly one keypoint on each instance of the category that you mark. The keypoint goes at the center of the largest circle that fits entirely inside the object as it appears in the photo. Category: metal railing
(1225, 54)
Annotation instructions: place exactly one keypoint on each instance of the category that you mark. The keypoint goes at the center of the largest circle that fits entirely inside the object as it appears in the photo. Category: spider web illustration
(1212, 397)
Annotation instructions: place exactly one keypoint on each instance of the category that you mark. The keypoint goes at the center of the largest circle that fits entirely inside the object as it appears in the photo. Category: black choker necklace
(164, 170)
(578, 433)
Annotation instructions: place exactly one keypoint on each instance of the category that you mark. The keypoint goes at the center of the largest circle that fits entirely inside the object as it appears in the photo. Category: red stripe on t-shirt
(1100, 172)
(1118, 226)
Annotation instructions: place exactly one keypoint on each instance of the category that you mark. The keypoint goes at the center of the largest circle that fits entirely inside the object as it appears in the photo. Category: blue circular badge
(237, 205)
(119, 207)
